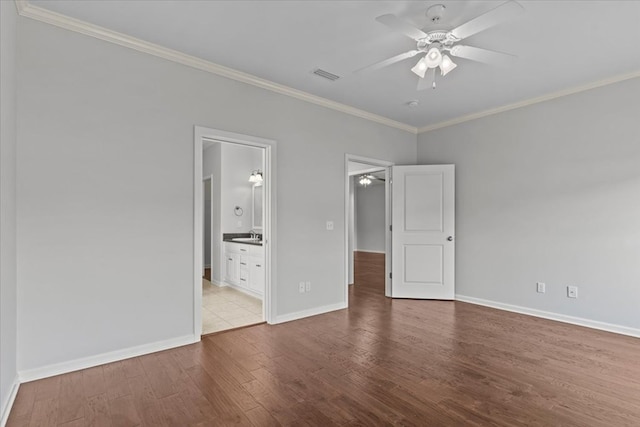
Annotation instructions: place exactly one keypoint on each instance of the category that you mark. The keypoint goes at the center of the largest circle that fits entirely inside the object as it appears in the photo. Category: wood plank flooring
(381, 362)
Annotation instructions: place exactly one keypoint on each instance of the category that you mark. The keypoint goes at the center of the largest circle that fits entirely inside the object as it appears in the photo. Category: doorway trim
(387, 222)
(269, 241)
(204, 261)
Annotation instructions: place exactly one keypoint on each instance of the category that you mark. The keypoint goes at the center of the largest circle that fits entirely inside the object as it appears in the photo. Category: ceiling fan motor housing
(443, 39)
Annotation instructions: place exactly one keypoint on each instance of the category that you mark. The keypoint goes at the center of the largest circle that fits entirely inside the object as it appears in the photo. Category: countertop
(228, 237)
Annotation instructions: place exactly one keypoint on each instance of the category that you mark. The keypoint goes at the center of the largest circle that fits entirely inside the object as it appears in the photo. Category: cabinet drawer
(244, 262)
(244, 278)
(239, 248)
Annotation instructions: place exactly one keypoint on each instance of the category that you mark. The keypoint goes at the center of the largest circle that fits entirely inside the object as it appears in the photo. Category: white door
(423, 247)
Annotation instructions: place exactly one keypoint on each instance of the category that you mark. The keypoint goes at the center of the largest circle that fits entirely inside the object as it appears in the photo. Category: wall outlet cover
(301, 287)
(329, 225)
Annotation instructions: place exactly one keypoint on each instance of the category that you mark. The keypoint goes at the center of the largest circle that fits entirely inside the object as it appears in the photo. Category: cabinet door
(256, 276)
(231, 268)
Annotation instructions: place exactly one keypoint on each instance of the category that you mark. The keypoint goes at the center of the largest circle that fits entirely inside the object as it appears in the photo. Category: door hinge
(390, 275)
(390, 227)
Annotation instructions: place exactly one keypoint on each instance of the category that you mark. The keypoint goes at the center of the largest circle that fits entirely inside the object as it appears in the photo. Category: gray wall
(8, 302)
(108, 264)
(370, 216)
(550, 193)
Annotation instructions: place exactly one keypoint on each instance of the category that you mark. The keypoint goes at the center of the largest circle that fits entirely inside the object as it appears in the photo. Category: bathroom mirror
(257, 207)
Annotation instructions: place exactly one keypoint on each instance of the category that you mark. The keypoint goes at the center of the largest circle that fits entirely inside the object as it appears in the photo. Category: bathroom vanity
(244, 266)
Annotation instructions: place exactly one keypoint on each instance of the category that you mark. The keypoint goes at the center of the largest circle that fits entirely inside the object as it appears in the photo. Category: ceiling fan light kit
(436, 44)
(447, 65)
(420, 68)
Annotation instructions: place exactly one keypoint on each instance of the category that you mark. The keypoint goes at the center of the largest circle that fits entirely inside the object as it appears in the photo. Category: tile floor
(226, 308)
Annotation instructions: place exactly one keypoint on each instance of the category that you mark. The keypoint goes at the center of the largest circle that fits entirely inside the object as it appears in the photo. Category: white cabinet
(244, 267)
(256, 272)
(232, 267)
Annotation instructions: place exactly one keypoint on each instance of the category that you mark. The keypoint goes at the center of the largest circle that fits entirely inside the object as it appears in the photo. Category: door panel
(423, 202)
(423, 264)
(423, 228)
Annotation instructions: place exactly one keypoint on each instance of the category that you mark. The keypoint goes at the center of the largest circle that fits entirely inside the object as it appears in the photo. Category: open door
(423, 247)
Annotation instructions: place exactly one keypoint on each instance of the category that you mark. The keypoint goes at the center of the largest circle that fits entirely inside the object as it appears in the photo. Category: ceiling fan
(439, 44)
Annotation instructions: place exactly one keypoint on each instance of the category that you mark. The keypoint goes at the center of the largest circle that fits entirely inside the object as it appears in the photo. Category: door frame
(269, 231)
(387, 165)
(204, 263)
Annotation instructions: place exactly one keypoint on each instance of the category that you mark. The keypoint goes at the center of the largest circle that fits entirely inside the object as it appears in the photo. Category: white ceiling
(560, 45)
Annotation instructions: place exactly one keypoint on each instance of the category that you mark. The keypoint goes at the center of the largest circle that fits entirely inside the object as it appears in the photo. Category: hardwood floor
(381, 362)
(368, 269)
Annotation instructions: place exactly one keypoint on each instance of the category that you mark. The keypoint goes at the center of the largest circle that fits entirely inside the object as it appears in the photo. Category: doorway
(233, 292)
(367, 215)
(233, 230)
(420, 249)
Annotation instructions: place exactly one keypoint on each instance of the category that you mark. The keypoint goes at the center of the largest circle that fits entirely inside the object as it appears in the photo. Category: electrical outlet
(572, 292)
(541, 287)
(301, 287)
(308, 286)
(329, 225)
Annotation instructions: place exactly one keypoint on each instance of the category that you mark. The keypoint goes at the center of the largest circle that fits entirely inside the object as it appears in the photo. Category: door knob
(450, 238)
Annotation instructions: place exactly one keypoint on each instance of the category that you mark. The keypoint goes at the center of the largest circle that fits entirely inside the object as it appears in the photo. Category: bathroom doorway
(233, 230)
(233, 247)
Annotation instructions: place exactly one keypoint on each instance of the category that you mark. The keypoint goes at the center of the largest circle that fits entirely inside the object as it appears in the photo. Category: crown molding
(525, 103)
(29, 10)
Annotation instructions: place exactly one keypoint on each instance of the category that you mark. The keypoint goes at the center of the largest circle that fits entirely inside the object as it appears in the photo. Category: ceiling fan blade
(397, 24)
(482, 55)
(502, 13)
(389, 61)
(427, 81)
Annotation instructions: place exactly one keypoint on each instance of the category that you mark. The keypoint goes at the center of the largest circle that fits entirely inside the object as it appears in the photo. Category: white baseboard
(218, 284)
(8, 403)
(310, 312)
(594, 324)
(369, 251)
(101, 359)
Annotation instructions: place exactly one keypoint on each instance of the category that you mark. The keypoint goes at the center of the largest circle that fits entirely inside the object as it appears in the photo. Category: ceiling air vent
(327, 75)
